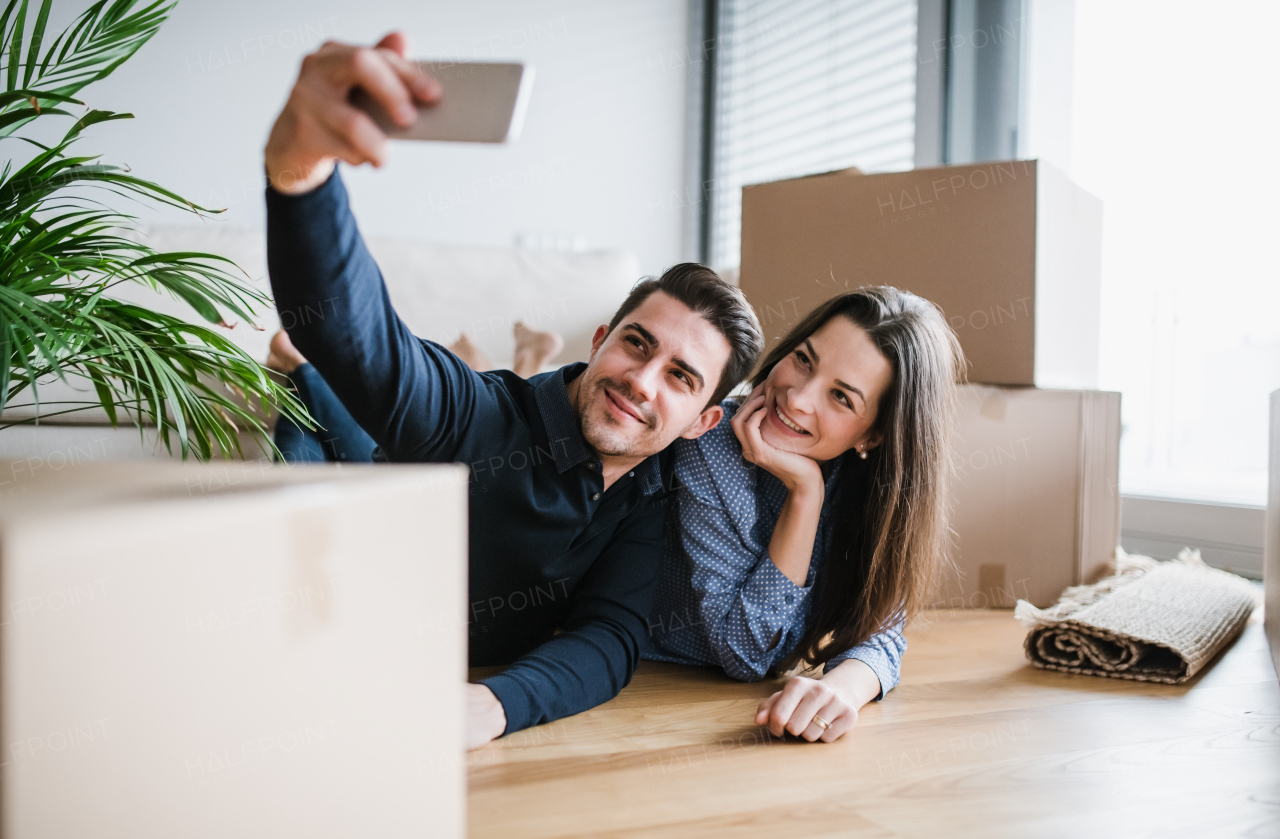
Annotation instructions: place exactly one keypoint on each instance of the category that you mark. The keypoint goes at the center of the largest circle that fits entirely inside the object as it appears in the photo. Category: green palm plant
(63, 252)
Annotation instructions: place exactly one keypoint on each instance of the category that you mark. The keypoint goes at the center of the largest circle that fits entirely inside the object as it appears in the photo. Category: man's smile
(622, 407)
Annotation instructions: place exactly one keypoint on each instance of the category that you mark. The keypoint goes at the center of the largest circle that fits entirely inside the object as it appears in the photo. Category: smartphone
(482, 103)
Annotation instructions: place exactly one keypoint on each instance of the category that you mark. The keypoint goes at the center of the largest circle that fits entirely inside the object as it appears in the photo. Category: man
(568, 471)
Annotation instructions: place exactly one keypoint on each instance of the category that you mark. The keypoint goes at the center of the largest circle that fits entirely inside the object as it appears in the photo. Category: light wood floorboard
(974, 742)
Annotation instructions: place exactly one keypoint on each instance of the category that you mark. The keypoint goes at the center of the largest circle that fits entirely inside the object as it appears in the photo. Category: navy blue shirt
(550, 548)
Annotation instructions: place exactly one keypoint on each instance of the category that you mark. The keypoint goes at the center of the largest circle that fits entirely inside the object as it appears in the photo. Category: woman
(810, 523)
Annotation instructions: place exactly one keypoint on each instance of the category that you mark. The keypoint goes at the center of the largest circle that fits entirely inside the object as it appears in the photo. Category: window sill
(1229, 536)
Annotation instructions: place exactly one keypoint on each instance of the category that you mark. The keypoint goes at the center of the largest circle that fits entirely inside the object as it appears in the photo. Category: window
(1174, 128)
(802, 87)
(1169, 120)
(984, 79)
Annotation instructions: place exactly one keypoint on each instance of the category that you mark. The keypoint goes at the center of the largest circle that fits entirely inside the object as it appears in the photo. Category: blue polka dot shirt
(721, 601)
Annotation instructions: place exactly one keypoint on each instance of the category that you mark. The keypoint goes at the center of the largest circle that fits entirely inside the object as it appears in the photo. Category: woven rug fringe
(1122, 570)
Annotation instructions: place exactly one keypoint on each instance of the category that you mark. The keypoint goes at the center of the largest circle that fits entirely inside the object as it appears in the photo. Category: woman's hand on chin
(796, 471)
(794, 708)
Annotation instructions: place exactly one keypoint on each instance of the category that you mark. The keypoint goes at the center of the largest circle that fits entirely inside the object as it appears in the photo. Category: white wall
(601, 152)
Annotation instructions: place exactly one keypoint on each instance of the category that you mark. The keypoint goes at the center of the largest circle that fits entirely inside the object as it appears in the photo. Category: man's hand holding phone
(319, 125)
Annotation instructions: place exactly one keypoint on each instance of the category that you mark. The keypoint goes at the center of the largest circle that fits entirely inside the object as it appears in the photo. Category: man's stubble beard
(600, 430)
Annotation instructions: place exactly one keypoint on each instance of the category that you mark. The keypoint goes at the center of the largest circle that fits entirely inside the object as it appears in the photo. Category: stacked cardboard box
(1011, 253)
(232, 649)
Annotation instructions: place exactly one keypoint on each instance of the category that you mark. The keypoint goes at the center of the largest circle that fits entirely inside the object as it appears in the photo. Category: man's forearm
(331, 300)
(573, 672)
(326, 289)
(320, 271)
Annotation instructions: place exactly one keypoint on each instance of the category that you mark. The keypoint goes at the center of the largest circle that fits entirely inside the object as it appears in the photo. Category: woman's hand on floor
(793, 709)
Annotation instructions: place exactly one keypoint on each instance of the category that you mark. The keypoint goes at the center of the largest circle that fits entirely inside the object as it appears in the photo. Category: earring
(863, 454)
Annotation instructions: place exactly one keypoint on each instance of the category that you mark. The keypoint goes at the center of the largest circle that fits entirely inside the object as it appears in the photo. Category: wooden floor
(973, 742)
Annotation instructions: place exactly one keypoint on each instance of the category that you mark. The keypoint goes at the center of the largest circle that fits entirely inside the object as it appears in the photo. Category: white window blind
(807, 86)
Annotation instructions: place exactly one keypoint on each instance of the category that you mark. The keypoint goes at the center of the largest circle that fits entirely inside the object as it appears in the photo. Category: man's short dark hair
(722, 304)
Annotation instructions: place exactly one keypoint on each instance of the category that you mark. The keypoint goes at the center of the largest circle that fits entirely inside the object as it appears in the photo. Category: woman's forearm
(855, 680)
(791, 547)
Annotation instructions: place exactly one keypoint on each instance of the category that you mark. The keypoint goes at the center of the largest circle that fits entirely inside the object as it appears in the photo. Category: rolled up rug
(1151, 621)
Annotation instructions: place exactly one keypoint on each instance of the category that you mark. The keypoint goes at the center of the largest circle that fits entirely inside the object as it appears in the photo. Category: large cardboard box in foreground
(1036, 501)
(1271, 551)
(1010, 251)
(232, 649)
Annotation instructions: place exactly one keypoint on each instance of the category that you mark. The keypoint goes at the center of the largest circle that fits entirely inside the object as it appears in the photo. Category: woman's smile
(783, 423)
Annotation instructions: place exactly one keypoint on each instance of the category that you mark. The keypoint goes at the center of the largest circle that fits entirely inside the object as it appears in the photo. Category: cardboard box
(232, 649)
(1271, 550)
(1010, 251)
(1036, 497)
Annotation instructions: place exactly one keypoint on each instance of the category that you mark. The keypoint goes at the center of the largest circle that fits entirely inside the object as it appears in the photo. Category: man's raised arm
(328, 289)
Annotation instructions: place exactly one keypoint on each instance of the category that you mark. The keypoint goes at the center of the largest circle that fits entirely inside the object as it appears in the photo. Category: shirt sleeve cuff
(330, 183)
(772, 596)
(877, 661)
(282, 205)
(515, 703)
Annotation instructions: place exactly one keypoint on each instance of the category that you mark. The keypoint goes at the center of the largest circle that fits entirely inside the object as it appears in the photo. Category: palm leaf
(64, 249)
(102, 38)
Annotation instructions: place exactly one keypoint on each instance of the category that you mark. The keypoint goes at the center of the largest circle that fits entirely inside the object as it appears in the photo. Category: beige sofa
(439, 290)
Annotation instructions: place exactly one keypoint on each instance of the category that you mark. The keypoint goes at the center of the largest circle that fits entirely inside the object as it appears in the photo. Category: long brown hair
(890, 533)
